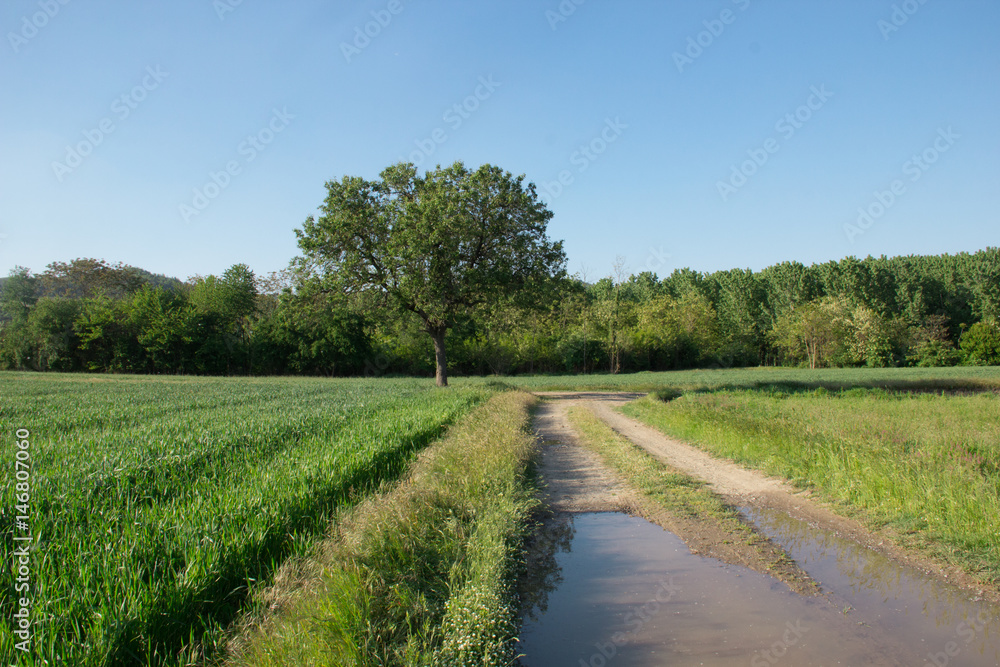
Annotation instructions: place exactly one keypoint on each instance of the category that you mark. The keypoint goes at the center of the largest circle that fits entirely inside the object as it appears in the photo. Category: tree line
(89, 315)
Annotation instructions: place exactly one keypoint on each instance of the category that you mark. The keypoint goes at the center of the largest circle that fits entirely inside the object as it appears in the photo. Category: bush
(934, 353)
(666, 395)
(981, 344)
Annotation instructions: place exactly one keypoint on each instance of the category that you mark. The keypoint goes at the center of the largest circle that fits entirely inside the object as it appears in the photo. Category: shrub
(666, 395)
(981, 344)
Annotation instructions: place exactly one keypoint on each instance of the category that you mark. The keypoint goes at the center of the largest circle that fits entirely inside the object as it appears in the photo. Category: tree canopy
(913, 310)
(438, 245)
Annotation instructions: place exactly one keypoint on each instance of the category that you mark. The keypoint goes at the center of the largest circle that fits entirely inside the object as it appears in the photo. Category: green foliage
(932, 353)
(50, 331)
(159, 504)
(666, 395)
(19, 295)
(985, 283)
(875, 340)
(831, 332)
(875, 312)
(981, 344)
(931, 345)
(311, 334)
(739, 302)
(233, 297)
(814, 331)
(676, 333)
(87, 278)
(108, 338)
(45, 339)
(437, 245)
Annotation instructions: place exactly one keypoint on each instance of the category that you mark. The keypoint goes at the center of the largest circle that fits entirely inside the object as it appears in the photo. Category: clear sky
(185, 136)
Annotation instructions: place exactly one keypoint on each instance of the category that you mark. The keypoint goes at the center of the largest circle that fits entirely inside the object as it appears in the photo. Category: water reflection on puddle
(611, 589)
(917, 609)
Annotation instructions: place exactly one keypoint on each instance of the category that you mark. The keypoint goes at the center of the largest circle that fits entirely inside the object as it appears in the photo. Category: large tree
(438, 245)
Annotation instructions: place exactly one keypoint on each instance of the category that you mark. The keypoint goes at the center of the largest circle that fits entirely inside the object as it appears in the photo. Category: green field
(925, 465)
(424, 573)
(158, 503)
(963, 377)
(161, 505)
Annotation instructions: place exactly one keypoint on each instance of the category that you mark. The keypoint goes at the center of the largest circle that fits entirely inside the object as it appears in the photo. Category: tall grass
(926, 466)
(966, 377)
(423, 573)
(158, 504)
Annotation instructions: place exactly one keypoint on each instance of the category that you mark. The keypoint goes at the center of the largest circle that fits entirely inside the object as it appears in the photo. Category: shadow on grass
(177, 623)
(837, 389)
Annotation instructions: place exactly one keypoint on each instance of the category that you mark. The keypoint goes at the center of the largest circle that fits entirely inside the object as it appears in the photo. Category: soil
(577, 481)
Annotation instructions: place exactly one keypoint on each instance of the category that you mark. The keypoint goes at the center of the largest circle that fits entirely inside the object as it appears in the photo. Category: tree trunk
(441, 374)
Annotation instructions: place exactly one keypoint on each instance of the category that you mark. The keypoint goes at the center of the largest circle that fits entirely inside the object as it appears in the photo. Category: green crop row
(424, 573)
(158, 504)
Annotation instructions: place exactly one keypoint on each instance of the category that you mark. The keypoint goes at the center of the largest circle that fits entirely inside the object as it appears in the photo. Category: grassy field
(162, 506)
(973, 377)
(422, 574)
(159, 503)
(924, 465)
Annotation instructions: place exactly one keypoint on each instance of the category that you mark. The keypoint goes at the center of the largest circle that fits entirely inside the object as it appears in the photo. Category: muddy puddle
(920, 611)
(611, 589)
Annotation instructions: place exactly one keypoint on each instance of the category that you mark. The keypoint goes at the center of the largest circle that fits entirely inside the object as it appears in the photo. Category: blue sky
(184, 137)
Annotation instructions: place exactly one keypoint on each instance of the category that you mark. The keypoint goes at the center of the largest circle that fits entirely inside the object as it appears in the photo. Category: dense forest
(89, 315)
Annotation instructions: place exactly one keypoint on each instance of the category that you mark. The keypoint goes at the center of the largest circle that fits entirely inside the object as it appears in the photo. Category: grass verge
(926, 467)
(423, 573)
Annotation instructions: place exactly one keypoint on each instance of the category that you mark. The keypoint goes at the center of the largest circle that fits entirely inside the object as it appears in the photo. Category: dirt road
(578, 481)
(863, 606)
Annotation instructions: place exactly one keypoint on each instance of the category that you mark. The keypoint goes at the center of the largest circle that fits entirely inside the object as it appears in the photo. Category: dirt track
(577, 481)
